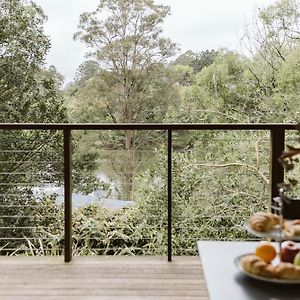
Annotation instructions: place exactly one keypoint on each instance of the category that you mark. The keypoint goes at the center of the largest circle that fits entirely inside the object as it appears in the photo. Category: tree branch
(210, 165)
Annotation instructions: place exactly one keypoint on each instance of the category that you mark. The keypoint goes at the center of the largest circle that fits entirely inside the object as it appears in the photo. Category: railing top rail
(147, 126)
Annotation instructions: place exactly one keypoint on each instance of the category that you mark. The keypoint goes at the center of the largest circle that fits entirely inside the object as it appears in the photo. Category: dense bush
(213, 194)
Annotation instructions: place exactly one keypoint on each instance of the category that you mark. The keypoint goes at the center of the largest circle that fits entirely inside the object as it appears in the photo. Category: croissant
(292, 228)
(255, 265)
(264, 221)
(287, 271)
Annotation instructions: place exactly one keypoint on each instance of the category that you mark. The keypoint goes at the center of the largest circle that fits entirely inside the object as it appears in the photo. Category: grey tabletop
(224, 280)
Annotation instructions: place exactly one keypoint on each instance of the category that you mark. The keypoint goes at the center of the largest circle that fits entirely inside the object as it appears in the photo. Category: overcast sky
(194, 24)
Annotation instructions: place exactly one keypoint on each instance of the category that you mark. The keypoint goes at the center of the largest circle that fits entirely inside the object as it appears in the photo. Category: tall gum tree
(125, 38)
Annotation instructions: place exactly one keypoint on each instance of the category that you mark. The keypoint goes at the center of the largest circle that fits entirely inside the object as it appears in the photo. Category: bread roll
(287, 271)
(292, 228)
(255, 265)
(264, 221)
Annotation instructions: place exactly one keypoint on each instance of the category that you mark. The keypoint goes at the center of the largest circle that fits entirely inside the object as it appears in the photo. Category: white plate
(237, 262)
(275, 234)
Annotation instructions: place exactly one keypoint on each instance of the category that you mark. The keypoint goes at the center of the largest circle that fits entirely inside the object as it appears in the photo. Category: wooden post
(169, 195)
(276, 170)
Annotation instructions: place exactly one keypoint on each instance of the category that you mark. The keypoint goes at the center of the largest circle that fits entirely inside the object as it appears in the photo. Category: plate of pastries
(267, 224)
(268, 264)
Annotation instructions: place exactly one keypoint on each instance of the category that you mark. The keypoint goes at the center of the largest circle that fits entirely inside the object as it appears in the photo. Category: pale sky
(195, 25)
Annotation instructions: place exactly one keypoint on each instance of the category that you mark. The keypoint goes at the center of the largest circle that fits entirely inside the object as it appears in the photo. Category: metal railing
(277, 143)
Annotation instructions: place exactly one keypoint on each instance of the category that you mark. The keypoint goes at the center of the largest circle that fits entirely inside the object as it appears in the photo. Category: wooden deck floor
(96, 277)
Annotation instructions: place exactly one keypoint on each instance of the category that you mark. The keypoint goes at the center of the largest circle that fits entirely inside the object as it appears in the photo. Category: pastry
(263, 221)
(255, 265)
(291, 228)
(287, 271)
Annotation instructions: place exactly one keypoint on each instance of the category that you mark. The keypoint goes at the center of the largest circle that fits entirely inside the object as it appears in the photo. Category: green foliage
(197, 61)
(131, 84)
(182, 74)
(96, 231)
(129, 46)
(84, 165)
(220, 92)
(288, 74)
(272, 36)
(238, 186)
(21, 80)
(29, 93)
(185, 59)
(203, 59)
(205, 204)
(222, 79)
(86, 71)
(281, 21)
(218, 179)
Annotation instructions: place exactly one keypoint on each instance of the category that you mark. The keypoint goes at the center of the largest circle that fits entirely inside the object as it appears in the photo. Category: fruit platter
(277, 262)
(266, 264)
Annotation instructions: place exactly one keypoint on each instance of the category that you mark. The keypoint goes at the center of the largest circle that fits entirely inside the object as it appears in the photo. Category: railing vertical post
(276, 170)
(68, 194)
(169, 195)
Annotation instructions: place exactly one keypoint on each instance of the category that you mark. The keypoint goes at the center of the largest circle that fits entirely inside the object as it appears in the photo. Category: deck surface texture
(102, 277)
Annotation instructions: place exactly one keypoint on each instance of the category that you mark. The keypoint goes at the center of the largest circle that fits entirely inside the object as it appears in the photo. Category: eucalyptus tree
(125, 38)
(196, 60)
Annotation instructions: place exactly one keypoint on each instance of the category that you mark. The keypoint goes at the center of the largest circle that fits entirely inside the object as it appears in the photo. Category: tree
(204, 59)
(129, 46)
(185, 59)
(283, 104)
(196, 60)
(126, 40)
(274, 32)
(270, 40)
(29, 93)
(86, 71)
(19, 60)
(219, 92)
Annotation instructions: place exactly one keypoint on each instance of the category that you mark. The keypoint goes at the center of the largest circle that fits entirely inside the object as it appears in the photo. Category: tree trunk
(129, 162)
(129, 167)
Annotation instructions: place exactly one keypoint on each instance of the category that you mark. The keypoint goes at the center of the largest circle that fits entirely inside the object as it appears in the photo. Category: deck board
(101, 277)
